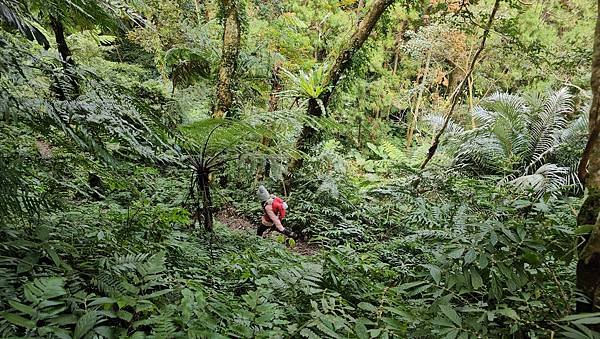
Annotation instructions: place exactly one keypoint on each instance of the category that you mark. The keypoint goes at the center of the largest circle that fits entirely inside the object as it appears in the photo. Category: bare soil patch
(230, 217)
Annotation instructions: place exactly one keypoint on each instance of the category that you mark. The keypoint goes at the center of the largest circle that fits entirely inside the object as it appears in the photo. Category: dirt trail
(229, 216)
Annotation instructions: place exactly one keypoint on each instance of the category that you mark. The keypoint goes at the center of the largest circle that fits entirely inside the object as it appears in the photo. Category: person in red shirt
(274, 209)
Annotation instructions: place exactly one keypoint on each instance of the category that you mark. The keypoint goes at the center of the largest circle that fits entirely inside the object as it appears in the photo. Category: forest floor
(230, 217)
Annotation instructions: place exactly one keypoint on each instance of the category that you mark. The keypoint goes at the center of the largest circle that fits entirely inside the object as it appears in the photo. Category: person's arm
(274, 218)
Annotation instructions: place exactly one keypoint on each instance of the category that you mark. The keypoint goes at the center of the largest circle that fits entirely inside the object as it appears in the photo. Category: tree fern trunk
(206, 200)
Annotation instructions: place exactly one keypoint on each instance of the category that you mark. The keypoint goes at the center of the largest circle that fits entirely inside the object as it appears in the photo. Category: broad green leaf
(435, 273)
(375, 332)
(476, 280)
(393, 323)
(361, 330)
(105, 331)
(509, 312)
(509, 234)
(55, 258)
(584, 318)
(124, 315)
(493, 238)
(470, 256)
(483, 260)
(457, 253)
(102, 301)
(410, 285)
(30, 311)
(18, 320)
(85, 324)
(451, 314)
(367, 306)
(452, 334)
(580, 316)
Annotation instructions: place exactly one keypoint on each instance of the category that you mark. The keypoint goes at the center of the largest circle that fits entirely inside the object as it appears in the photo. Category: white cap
(263, 194)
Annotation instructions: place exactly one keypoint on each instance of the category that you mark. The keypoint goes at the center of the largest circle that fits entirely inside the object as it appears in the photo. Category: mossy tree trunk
(358, 38)
(308, 135)
(344, 60)
(588, 265)
(229, 56)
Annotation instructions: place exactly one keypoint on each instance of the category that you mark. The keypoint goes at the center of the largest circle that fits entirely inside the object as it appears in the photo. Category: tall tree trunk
(342, 63)
(62, 92)
(459, 90)
(230, 52)
(356, 41)
(588, 265)
(204, 182)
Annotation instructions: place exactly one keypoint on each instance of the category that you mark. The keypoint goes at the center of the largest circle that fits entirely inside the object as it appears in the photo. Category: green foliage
(97, 239)
(309, 86)
(531, 140)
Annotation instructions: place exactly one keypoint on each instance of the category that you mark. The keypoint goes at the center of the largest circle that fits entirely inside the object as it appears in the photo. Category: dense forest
(437, 163)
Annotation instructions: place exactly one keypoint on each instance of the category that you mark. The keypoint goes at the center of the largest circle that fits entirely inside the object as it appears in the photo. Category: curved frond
(437, 121)
(187, 65)
(481, 154)
(545, 125)
(548, 179)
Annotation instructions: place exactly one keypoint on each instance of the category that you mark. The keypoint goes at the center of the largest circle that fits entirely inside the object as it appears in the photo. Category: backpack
(279, 207)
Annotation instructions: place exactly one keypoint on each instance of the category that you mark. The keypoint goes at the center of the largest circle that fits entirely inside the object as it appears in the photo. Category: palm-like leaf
(549, 178)
(546, 125)
(437, 121)
(529, 138)
(13, 13)
(187, 65)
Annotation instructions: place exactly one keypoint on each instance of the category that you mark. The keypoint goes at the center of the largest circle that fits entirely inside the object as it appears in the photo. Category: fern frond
(549, 178)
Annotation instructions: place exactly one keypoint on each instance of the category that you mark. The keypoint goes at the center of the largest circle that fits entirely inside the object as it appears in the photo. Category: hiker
(274, 209)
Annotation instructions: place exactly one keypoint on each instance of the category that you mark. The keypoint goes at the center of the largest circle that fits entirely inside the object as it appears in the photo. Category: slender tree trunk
(456, 95)
(588, 265)
(415, 115)
(230, 52)
(276, 87)
(470, 84)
